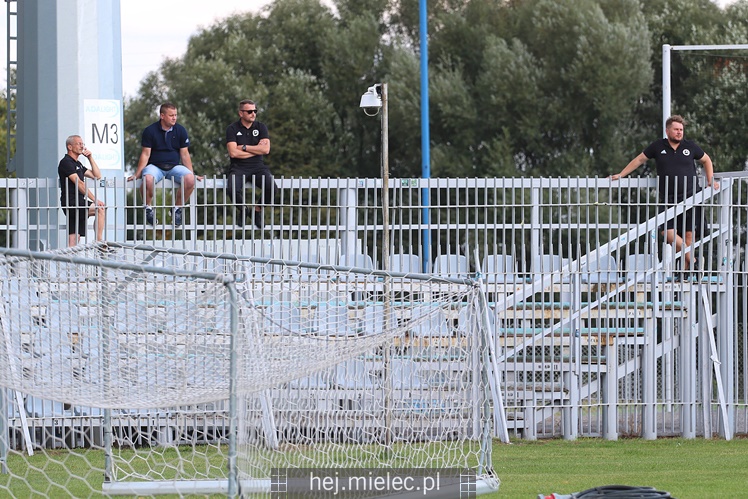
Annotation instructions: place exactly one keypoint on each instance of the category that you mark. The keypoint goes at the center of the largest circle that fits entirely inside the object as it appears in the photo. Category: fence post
(348, 202)
(725, 304)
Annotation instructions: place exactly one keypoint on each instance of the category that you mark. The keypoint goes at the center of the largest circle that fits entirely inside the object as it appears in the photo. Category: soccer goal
(133, 370)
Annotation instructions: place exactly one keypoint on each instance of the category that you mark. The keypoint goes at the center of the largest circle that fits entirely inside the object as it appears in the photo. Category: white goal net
(157, 370)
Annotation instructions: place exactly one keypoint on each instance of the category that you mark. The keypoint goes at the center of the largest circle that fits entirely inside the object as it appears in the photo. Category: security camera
(371, 101)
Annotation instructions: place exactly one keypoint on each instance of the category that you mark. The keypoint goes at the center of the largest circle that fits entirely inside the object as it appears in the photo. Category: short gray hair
(69, 141)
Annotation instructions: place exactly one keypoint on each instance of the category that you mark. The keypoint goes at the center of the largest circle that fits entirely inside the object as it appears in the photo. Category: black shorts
(77, 219)
(688, 221)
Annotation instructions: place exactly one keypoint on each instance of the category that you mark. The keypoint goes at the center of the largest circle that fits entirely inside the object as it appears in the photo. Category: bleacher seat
(318, 380)
(405, 263)
(354, 374)
(637, 265)
(372, 320)
(427, 322)
(282, 318)
(601, 270)
(333, 320)
(406, 374)
(358, 260)
(545, 264)
(499, 269)
(454, 266)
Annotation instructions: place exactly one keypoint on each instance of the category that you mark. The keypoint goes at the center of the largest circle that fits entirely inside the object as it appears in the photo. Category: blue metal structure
(425, 135)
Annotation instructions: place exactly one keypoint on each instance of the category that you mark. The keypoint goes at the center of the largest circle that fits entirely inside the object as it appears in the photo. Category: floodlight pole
(386, 263)
(385, 182)
(369, 101)
(725, 354)
(666, 88)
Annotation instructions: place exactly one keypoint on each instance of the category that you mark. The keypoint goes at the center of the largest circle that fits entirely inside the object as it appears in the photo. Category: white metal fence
(599, 328)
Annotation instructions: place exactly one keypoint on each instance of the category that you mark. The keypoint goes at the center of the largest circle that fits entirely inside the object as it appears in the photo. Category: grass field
(684, 468)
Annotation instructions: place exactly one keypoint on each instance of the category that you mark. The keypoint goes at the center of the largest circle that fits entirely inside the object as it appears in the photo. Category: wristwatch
(244, 147)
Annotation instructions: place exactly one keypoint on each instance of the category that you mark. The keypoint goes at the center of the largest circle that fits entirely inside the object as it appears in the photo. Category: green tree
(538, 87)
(517, 87)
(4, 136)
(677, 22)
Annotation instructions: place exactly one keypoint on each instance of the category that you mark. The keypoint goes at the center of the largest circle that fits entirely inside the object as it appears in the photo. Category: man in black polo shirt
(77, 200)
(247, 141)
(165, 154)
(676, 172)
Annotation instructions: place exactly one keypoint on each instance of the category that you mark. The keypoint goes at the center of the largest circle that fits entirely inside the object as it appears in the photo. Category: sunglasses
(248, 111)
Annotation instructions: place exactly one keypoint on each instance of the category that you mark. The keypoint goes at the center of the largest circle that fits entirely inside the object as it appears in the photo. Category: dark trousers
(262, 179)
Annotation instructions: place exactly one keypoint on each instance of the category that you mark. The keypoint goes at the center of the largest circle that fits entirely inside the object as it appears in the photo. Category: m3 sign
(103, 131)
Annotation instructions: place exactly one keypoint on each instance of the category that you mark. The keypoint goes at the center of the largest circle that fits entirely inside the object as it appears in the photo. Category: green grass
(685, 468)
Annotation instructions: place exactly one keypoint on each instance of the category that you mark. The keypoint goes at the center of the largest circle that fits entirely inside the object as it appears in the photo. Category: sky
(147, 40)
(153, 30)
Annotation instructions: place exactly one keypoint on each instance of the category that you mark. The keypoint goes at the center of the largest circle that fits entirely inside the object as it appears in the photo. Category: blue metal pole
(425, 138)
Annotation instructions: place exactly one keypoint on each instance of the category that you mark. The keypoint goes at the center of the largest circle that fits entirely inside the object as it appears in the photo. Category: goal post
(178, 372)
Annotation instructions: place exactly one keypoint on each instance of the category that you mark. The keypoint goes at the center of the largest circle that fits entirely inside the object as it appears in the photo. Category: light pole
(372, 101)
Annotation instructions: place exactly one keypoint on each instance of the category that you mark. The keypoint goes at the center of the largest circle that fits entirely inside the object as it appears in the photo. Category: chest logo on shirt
(238, 133)
(686, 152)
(255, 133)
(663, 151)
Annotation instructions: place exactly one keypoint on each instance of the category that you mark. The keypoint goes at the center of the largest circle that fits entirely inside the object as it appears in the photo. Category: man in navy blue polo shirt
(165, 154)
(247, 141)
(674, 157)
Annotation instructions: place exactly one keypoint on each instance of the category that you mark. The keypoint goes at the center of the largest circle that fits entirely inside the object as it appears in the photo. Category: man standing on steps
(676, 172)
(247, 141)
(165, 154)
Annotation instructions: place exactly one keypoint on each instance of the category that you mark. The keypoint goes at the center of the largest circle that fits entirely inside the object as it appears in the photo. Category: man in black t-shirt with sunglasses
(247, 142)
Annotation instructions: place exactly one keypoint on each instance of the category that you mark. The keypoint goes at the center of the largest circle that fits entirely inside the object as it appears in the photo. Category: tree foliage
(517, 87)
(4, 115)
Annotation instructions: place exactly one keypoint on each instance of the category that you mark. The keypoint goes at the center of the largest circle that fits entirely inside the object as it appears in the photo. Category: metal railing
(600, 330)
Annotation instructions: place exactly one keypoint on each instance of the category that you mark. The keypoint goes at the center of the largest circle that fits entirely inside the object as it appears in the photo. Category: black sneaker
(698, 263)
(150, 216)
(104, 248)
(177, 217)
(258, 219)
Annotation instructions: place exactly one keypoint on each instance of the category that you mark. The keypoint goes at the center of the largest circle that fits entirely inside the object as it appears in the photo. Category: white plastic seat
(499, 269)
(466, 317)
(406, 375)
(545, 264)
(405, 263)
(333, 320)
(317, 380)
(311, 273)
(39, 408)
(426, 321)
(637, 265)
(354, 374)
(373, 319)
(358, 260)
(282, 318)
(601, 270)
(453, 266)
